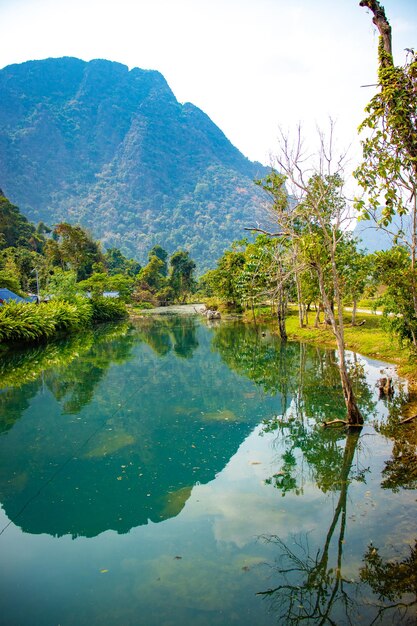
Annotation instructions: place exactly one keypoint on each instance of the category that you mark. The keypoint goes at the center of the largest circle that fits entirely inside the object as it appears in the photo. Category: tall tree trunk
(382, 24)
(353, 413)
(354, 416)
(282, 313)
(317, 319)
(254, 314)
(355, 305)
(300, 301)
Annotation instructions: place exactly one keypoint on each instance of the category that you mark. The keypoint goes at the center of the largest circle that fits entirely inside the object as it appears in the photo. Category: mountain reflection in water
(119, 435)
(201, 451)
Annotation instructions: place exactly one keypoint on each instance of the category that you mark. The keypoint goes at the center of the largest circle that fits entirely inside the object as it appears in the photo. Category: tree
(162, 255)
(388, 173)
(393, 268)
(117, 263)
(151, 274)
(21, 262)
(181, 278)
(62, 284)
(355, 271)
(15, 229)
(9, 281)
(267, 274)
(224, 280)
(72, 248)
(312, 212)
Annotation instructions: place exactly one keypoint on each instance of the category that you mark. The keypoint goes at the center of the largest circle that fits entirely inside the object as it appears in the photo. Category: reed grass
(30, 322)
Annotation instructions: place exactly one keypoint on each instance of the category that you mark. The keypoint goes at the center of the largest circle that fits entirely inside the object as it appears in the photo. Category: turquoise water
(173, 473)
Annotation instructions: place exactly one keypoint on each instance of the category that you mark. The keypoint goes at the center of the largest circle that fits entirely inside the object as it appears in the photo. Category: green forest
(309, 259)
(208, 378)
(73, 282)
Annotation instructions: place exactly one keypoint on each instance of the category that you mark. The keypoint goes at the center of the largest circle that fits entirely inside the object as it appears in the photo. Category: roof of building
(7, 295)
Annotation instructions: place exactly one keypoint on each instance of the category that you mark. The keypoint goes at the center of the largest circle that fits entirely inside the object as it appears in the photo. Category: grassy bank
(369, 339)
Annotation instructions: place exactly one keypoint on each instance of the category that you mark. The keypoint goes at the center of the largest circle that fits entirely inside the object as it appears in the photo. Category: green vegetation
(313, 259)
(29, 322)
(144, 171)
(388, 175)
(64, 265)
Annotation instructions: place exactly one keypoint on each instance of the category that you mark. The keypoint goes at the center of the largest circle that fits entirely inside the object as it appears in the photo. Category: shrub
(29, 322)
(106, 309)
(20, 321)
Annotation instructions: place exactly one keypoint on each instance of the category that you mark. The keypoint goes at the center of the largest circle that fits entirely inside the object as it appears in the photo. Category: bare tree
(312, 211)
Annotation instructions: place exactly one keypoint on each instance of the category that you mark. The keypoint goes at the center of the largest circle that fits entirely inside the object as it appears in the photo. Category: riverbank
(369, 339)
(368, 336)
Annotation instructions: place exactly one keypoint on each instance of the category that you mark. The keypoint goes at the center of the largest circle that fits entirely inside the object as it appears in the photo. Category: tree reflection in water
(394, 581)
(169, 332)
(311, 586)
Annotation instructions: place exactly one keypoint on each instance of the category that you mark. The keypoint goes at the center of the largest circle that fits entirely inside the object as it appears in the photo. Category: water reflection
(314, 584)
(394, 582)
(133, 425)
(118, 436)
(400, 471)
(313, 589)
(166, 333)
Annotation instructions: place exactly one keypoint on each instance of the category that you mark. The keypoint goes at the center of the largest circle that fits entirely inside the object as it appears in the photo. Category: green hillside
(113, 150)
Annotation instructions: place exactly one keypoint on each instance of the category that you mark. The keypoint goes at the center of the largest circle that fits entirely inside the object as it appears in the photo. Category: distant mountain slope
(114, 150)
(373, 238)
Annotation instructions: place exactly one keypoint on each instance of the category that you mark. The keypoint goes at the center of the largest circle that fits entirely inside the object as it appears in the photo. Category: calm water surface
(169, 473)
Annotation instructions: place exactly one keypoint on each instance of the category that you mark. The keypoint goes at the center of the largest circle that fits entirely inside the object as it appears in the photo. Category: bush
(107, 309)
(143, 305)
(20, 321)
(69, 316)
(29, 322)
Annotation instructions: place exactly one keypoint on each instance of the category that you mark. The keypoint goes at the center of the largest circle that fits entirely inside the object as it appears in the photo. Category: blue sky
(251, 65)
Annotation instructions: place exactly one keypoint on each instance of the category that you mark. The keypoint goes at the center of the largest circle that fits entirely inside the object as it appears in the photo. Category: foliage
(15, 229)
(32, 322)
(62, 284)
(25, 322)
(106, 309)
(9, 281)
(162, 255)
(389, 167)
(224, 280)
(117, 263)
(20, 262)
(152, 274)
(73, 248)
(147, 170)
(388, 172)
(393, 268)
(181, 278)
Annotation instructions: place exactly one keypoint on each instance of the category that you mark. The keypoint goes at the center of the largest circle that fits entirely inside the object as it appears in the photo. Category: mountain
(374, 238)
(112, 149)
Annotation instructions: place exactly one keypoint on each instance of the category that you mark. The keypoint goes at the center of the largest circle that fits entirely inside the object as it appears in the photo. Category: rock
(385, 386)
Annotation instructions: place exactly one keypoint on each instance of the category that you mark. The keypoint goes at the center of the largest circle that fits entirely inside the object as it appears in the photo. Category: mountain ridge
(111, 148)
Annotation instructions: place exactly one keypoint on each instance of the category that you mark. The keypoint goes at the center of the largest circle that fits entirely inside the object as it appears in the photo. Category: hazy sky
(251, 65)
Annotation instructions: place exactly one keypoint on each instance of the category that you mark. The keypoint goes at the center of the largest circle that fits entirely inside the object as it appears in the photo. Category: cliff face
(114, 150)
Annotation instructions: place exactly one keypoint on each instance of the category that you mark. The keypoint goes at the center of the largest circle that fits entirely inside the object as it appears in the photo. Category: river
(169, 472)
